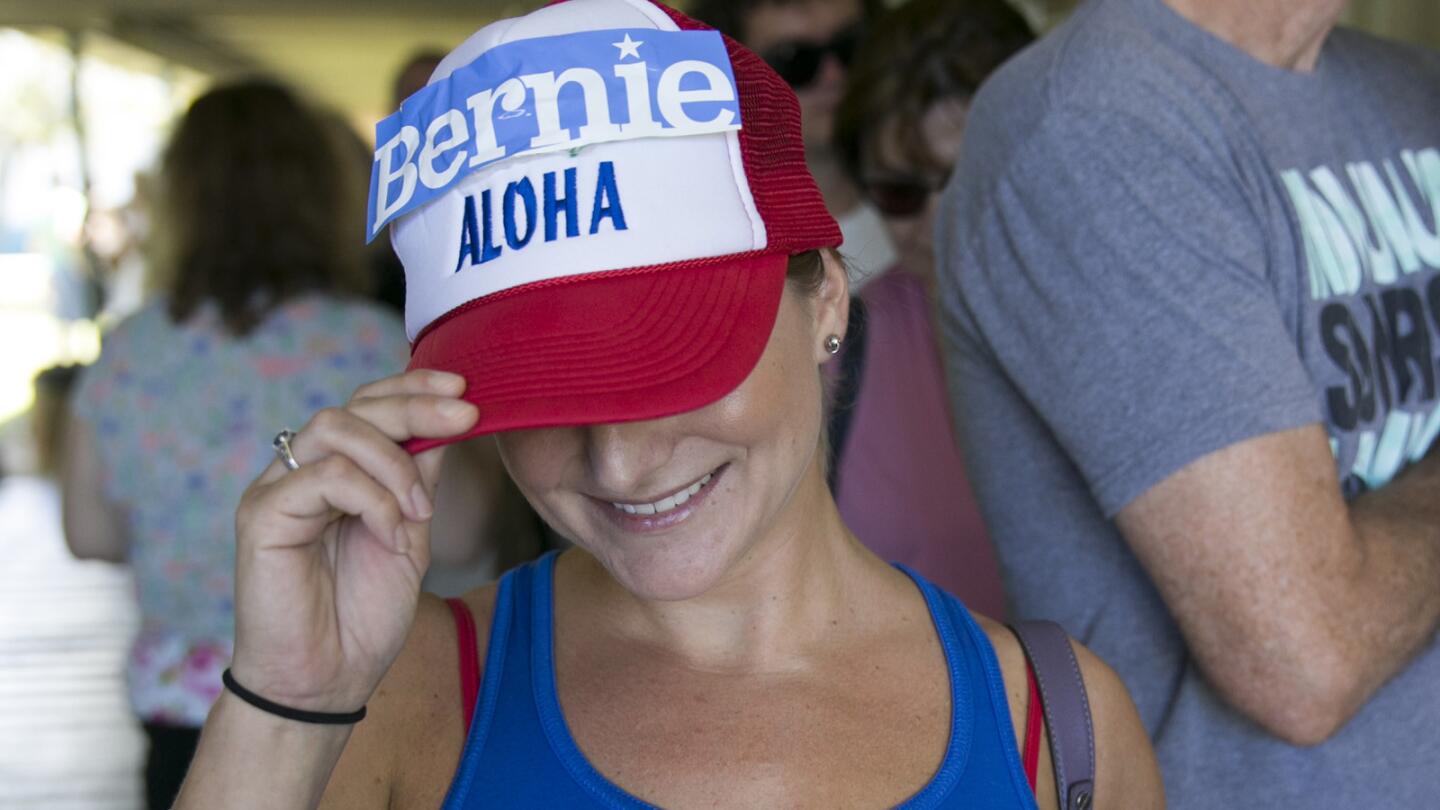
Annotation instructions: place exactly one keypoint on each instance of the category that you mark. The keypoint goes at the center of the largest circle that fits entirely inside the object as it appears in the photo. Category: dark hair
(806, 271)
(729, 16)
(256, 206)
(407, 80)
(921, 54)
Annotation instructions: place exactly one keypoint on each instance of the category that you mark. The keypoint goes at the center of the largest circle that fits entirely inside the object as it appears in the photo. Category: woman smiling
(717, 637)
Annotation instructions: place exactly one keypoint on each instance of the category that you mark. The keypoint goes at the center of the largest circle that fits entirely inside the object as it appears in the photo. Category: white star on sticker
(628, 47)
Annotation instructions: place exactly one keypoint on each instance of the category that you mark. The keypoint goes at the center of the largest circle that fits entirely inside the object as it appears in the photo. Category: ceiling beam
(179, 40)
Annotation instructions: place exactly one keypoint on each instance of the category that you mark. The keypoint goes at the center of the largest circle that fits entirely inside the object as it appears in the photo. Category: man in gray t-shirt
(1191, 301)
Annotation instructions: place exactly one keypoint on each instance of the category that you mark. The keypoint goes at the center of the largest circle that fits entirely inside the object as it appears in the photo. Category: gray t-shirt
(1155, 247)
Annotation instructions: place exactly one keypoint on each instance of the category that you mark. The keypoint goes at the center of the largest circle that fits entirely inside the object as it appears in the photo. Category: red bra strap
(1033, 716)
(469, 657)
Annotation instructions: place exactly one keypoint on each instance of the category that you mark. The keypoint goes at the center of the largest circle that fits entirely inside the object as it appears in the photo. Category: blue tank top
(519, 752)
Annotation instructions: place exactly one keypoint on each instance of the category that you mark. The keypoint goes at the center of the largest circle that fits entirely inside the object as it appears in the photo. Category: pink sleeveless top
(901, 485)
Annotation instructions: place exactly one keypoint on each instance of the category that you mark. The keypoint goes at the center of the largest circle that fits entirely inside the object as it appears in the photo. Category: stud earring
(832, 344)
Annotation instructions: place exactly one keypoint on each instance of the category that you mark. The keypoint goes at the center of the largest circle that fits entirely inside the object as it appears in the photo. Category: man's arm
(93, 528)
(469, 506)
(1296, 606)
(1119, 274)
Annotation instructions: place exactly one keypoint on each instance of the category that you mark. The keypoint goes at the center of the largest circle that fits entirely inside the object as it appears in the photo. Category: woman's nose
(623, 457)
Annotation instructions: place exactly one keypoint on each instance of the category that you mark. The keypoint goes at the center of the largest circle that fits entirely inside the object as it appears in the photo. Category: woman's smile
(669, 510)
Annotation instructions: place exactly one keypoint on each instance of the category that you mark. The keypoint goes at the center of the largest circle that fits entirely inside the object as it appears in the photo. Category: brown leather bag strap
(1067, 710)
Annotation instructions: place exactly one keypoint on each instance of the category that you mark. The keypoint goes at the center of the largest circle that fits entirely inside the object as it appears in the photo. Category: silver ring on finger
(282, 449)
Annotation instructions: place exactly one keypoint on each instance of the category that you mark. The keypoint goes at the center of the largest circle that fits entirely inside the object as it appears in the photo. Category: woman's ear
(832, 304)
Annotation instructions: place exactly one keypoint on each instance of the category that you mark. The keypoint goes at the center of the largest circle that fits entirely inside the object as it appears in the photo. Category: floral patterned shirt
(183, 416)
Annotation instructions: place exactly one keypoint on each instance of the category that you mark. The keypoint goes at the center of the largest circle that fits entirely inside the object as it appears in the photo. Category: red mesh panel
(771, 146)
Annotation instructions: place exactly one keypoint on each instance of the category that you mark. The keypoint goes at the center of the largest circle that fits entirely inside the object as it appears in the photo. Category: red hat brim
(611, 347)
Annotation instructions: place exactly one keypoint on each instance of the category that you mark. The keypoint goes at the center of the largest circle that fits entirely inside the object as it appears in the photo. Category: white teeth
(664, 504)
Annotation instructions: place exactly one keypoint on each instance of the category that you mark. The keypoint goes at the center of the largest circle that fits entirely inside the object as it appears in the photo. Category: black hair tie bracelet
(301, 715)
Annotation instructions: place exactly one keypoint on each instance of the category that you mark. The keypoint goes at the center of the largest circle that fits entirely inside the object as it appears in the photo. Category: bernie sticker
(549, 94)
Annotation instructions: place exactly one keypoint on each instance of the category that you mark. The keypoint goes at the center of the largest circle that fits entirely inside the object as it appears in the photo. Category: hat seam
(663, 370)
(540, 284)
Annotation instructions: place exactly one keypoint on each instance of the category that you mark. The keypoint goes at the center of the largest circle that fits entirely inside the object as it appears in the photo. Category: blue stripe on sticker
(549, 94)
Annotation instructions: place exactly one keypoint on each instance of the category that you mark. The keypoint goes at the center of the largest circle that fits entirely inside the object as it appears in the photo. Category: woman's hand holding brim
(330, 555)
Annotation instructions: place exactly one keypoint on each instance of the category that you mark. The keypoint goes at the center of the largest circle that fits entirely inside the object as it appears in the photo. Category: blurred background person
(412, 76)
(901, 121)
(1187, 333)
(811, 43)
(261, 321)
(900, 480)
(389, 274)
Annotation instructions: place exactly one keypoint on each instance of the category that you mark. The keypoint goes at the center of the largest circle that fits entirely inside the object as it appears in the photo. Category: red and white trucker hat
(595, 205)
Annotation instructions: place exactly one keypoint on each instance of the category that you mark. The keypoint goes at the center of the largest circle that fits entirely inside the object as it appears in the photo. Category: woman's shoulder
(128, 347)
(406, 751)
(423, 688)
(433, 638)
(1013, 666)
(1124, 760)
(151, 322)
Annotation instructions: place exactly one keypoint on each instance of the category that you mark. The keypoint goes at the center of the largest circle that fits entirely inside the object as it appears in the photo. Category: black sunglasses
(798, 61)
(903, 197)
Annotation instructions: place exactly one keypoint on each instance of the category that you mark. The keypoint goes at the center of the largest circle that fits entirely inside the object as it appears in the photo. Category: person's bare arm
(94, 530)
(402, 755)
(1297, 606)
(469, 504)
(1126, 773)
(247, 758)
